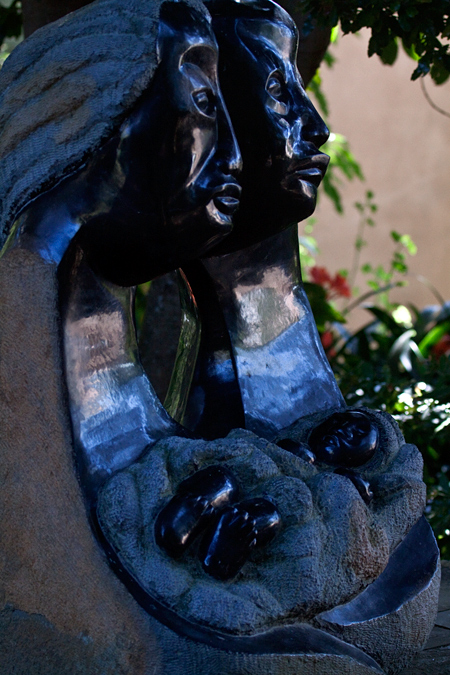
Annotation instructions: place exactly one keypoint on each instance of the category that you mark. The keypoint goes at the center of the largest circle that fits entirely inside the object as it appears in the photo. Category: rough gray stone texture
(330, 548)
(30, 645)
(395, 474)
(392, 640)
(62, 609)
(66, 88)
(200, 659)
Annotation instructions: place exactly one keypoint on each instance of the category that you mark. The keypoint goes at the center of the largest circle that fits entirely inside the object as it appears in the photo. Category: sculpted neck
(275, 355)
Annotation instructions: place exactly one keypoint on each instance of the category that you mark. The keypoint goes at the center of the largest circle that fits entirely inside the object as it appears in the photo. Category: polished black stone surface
(360, 483)
(196, 505)
(278, 129)
(346, 439)
(299, 449)
(225, 548)
(163, 189)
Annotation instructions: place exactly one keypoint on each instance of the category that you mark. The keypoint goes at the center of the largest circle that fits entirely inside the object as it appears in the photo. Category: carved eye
(277, 90)
(274, 87)
(205, 102)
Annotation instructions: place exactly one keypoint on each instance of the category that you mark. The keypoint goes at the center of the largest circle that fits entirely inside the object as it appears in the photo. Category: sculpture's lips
(312, 175)
(226, 200)
(311, 169)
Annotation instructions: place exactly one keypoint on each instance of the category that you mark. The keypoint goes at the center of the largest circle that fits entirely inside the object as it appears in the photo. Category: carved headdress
(66, 89)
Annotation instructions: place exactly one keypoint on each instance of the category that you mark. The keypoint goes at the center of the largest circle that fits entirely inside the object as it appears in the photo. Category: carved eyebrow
(203, 56)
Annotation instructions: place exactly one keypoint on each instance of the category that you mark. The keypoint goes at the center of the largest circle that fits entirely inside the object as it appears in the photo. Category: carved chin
(300, 188)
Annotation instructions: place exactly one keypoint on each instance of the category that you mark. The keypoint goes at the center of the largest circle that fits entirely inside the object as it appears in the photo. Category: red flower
(327, 340)
(441, 348)
(334, 286)
(340, 286)
(320, 275)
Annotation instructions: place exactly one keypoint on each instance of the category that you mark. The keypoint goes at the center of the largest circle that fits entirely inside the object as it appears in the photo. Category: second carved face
(277, 127)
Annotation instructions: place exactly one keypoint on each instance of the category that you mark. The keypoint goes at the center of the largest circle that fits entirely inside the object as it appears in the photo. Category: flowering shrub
(399, 362)
(336, 287)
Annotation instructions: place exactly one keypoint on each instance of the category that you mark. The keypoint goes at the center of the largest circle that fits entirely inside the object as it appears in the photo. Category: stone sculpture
(283, 548)
(246, 299)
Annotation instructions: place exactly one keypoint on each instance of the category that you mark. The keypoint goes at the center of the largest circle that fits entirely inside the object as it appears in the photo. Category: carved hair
(66, 89)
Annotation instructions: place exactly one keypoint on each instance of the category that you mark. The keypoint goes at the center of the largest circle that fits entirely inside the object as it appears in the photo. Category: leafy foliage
(10, 20)
(384, 366)
(421, 26)
(398, 362)
(342, 164)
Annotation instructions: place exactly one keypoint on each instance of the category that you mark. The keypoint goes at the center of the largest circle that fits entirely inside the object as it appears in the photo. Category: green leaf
(323, 311)
(389, 53)
(408, 243)
(10, 20)
(400, 267)
(386, 319)
(333, 194)
(439, 73)
(315, 87)
(433, 337)
(422, 69)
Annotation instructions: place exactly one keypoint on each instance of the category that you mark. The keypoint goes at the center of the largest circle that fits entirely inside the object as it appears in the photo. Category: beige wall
(403, 146)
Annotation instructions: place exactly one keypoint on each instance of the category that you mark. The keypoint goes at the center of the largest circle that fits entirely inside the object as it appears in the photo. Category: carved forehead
(268, 38)
(250, 9)
(183, 17)
(185, 35)
(261, 26)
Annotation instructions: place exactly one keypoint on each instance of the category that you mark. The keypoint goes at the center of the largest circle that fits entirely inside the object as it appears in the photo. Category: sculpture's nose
(309, 126)
(228, 152)
(315, 130)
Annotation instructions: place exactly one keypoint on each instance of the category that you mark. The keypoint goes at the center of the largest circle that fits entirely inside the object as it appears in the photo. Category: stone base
(201, 659)
(392, 619)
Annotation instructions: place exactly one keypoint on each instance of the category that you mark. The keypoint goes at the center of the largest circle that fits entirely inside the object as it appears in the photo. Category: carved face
(176, 162)
(201, 155)
(278, 128)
